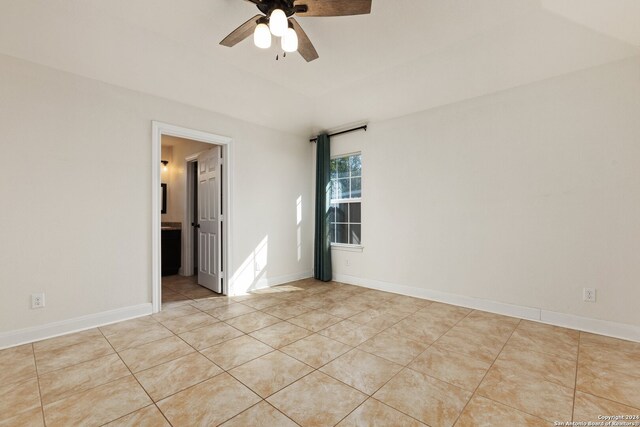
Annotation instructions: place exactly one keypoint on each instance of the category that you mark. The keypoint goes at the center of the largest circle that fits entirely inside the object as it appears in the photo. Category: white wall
(522, 197)
(75, 187)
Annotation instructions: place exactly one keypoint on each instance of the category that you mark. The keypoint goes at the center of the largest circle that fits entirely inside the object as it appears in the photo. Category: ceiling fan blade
(305, 47)
(241, 33)
(334, 7)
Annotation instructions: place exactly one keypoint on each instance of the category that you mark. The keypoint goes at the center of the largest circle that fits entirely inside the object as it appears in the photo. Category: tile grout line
(474, 392)
(406, 367)
(134, 377)
(361, 325)
(502, 403)
(575, 382)
(323, 365)
(590, 393)
(187, 388)
(280, 412)
(242, 412)
(77, 363)
(91, 388)
(280, 389)
(264, 399)
(611, 401)
(35, 364)
(71, 366)
(243, 363)
(411, 339)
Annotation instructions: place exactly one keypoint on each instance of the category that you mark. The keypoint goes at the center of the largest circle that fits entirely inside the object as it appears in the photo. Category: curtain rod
(363, 127)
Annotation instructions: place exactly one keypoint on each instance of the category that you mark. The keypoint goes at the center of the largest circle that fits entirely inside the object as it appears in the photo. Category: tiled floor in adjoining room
(315, 354)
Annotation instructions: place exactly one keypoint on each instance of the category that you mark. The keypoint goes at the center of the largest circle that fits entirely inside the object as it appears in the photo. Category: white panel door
(209, 220)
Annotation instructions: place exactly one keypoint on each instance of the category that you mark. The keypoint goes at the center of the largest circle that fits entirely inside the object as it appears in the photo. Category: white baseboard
(267, 282)
(586, 324)
(63, 327)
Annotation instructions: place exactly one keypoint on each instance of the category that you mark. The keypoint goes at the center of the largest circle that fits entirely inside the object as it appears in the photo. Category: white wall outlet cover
(37, 300)
(589, 295)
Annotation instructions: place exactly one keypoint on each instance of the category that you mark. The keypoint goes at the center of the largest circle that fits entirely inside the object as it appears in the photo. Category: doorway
(213, 212)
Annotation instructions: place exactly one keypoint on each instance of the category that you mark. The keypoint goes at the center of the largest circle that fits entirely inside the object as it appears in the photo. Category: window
(346, 193)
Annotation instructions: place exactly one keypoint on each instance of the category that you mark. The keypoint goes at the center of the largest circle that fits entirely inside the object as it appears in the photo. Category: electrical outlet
(37, 300)
(589, 294)
(347, 262)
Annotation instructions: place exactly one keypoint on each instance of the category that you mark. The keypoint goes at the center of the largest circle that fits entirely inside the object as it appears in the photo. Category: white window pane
(342, 210)
(355, 165)
(354, 234)
(342, 235)
(354, 212)
(340, 189)
(342, 167)
(333, 166)
(356, 187)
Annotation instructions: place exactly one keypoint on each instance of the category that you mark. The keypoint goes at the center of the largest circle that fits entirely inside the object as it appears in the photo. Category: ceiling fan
(277, 18)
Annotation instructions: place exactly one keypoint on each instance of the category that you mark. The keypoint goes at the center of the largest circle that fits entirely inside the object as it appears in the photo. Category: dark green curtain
(322, 244)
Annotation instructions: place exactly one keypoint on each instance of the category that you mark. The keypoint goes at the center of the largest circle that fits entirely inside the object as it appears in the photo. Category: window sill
(347, 248)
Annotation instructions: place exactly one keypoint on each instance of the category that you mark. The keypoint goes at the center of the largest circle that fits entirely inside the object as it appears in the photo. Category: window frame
(355, 247)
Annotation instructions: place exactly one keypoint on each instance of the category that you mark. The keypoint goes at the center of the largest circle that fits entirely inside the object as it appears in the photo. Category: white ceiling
(407, 56)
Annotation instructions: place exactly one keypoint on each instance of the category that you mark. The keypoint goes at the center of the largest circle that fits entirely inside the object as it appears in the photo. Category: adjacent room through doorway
(191, 219)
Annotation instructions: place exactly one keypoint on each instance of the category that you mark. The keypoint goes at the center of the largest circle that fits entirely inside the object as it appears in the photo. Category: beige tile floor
(315, 354)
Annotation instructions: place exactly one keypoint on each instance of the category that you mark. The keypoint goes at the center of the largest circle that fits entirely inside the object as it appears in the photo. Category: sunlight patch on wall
(250, 275)
(298, 222)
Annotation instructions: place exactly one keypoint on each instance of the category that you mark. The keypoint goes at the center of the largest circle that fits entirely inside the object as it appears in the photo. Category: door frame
(158, 130)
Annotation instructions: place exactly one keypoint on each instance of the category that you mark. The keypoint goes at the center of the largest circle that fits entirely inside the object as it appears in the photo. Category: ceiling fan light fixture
(290, 40)
(278, 23)
(262, 36)
(279, 15)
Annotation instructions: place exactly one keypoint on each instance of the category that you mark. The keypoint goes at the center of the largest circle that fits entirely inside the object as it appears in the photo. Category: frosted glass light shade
(262, 36)
(290, 40)
(278, 22)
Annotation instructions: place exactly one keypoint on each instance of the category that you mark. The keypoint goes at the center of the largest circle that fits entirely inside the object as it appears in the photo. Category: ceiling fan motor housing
(287, 6)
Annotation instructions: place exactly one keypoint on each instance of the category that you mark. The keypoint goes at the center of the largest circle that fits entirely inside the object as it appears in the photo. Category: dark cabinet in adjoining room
(171, 251)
